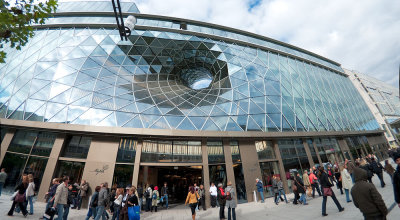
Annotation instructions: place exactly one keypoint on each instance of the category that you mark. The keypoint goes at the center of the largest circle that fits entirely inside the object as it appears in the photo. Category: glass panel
(215, 152)
(123, 175)
(3, 132)
(235, 152)
(36, 167)
(240, 184)
(312, 150)
(127, 150)
(44, 143)
(217, 174)
(23, 141)
(76, 147)
(171, 151)
(268, 169)
(14, 165)
(265, 150)
(72, 169)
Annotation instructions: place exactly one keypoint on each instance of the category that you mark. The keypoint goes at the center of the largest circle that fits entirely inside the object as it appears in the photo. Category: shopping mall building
(181, 102)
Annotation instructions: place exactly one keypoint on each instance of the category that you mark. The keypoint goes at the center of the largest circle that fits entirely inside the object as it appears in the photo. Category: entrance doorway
(178, 179)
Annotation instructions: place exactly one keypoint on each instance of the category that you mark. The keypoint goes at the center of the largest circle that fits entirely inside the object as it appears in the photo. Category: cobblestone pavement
(250, 211)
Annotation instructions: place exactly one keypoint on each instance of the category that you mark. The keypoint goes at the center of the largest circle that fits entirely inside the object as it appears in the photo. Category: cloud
(361, 35)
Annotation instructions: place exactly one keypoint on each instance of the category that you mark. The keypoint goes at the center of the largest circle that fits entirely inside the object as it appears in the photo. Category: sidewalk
(247, 211)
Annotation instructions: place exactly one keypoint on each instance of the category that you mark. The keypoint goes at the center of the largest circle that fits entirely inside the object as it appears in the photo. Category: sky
(362, 35)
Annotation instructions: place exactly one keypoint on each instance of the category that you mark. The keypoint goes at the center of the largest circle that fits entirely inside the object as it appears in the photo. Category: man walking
(102, 202)
(3, 177)
(164, 195)
(260, 189)
(378, 170)
(314, 183)
(366, 197)
(396, 178)
(61, 197)
(213, 192)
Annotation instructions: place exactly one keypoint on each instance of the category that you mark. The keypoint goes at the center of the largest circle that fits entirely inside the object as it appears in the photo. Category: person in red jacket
(314, 183)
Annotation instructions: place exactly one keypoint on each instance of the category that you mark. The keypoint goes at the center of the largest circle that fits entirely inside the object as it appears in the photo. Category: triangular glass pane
(186, 125)
(134, 123)
(160, 124)
(210, 125)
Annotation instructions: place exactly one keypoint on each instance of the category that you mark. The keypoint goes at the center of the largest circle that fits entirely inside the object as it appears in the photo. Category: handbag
(20, 197)
(328, 191)
(134, 213)
(13, 195)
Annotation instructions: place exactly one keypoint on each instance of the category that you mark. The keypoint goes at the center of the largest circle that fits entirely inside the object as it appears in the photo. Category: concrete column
(5, 143)
(317, 152)
(308, 152)
(136, 167)
(228, 162)
(206, 172)
(145, 175)
(51, 166)
(281, 167)
(100, 162)
(251, 166)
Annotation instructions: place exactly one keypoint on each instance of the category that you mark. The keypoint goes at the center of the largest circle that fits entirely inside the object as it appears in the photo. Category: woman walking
(221, 197)
(230, 200)
(338, 178)
(192, 198)
(281, 191)
(30, 193)
(20, 198)
(117, 203)
(346, 181)
(300, 188)
(326, 184)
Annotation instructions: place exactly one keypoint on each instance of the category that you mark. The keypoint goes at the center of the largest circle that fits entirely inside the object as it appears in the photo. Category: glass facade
(126, 150)
(215, 151)
(265, 150)
(171, 151)
(70, 168)
(76, 147)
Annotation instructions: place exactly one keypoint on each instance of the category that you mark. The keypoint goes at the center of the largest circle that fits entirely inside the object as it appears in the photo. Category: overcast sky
(362, 35)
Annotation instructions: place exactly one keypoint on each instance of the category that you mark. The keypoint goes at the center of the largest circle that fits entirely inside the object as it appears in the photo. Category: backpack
(154, 196)
(146, 194)
(228, 195)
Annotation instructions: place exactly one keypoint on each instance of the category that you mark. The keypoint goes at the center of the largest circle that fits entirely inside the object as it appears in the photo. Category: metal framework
(124, 32)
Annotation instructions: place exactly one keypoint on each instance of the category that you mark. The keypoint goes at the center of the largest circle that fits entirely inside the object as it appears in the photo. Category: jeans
(262, 195)
(165, 197)
(79, 202)
(1, 187)
(49, 204)
(233, 213)
(352, 177)
(347, 195)
(60, 211)
(334, 199)
(281, 193)
(315, 186)
(116, 213)
(30, 200)
(91, 212)
(100, 212)
(141, 204)
(303, 198)
(148, 204)
(66, 212)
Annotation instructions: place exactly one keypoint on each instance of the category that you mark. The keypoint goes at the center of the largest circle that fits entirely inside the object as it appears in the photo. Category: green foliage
(17, 18)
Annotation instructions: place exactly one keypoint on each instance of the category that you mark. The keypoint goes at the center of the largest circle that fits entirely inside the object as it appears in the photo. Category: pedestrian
(378, 170)
(102, 202)
(326, 184)
(350, 167)
(314, 182)
(30, 193)
(396, 178)
(230, 200)
(389, 169)
(202, 199)
(192, 199)
(366, 197)
(20, 197)
(117, 203)
(307, 183)
(112, 195)
(213, 193)
(347, 181)
(123, 214)
(281, 191)
(221, 200)
(260, 189)
(154, 199)
(295, 191)
(132, 200)
(148, 195)
(338, 178)
(61, 197)
(139, 192)
(82, 193)
(367, 167)
(93, 203)
(3, 177)
(300, 188)
(275, 189)
(70, 201)
(51, 193)
(164, 195)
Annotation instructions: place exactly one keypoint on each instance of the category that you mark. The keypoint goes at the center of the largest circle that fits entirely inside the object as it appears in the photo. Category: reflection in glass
(240, 184)
(123, 175)
(69, 168)
(23, 141)
(171, 151)
(265, 150)
(44, 143)
(36, 167)
(217, 174)
(14, 165)
(269, 169)
(127, 150)
(76, 147)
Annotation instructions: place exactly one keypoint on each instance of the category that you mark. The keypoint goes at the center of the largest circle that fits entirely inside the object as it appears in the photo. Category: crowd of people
(354, 179)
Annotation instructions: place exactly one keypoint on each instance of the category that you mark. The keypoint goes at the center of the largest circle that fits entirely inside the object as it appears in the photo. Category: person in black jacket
(396, 178)
(221, 200)
(378, 170)
(164, 195)
(326, 184)
(300, 188)
(367, 167)
(20, 198)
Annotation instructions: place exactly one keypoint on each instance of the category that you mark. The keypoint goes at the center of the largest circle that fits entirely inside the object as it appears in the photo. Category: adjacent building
(181, 102)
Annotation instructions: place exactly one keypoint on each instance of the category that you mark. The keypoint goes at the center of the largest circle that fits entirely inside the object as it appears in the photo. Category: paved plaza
(248, 211)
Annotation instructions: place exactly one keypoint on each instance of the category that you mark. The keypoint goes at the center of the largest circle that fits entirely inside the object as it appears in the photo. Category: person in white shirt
(118, 203)
(213, 192)
(30, 193)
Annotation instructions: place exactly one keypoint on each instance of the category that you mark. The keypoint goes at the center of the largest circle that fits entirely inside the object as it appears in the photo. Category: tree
(17, 18)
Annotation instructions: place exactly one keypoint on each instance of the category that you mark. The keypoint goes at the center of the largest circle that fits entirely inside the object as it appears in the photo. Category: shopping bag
(134, 213)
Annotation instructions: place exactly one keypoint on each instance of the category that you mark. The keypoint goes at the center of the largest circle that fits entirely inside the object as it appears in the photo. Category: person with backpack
(192, 199)
(93, 203)
(230, 200)
(164, 195)
(148, 195)
(378, 170)
(102, 202)
(154, 198)
(221, 197)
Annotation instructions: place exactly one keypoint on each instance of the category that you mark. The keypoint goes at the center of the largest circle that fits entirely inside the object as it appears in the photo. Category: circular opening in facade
(196, 78)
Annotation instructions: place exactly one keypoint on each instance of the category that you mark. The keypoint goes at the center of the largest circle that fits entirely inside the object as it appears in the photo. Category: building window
(171, 151)
(123, 175)
(76, 147)
(238, 172)
(126, 150)
(215, 151)
(23, 141)
(70, 168)
(265, 150)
